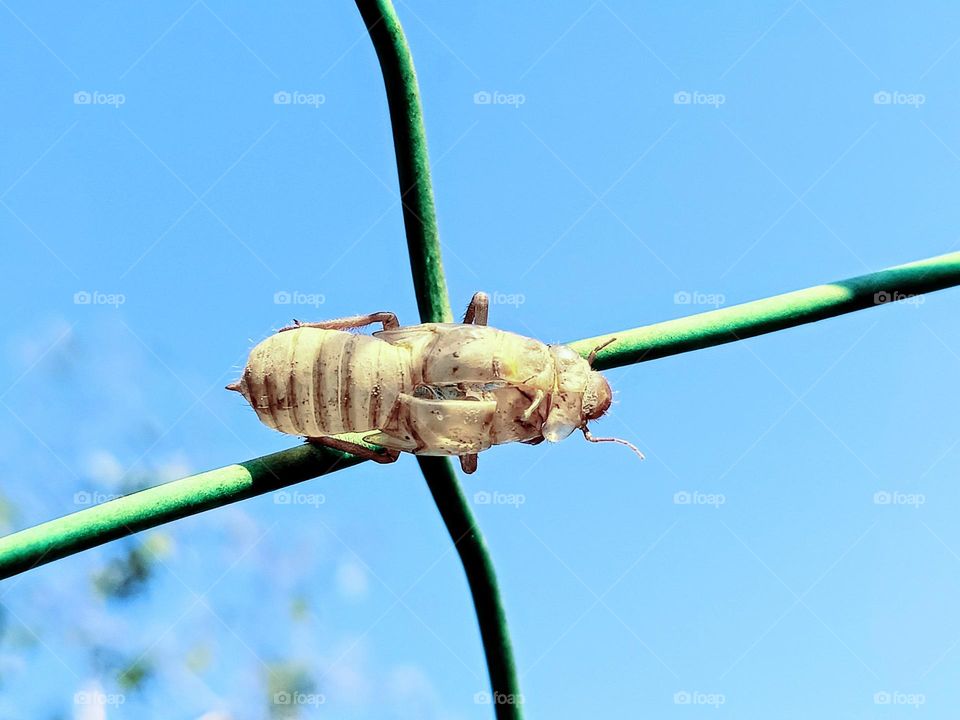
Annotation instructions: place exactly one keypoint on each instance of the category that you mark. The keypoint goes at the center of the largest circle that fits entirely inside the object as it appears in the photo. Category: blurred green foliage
(134, 676)
(125, 576)
(289, 684)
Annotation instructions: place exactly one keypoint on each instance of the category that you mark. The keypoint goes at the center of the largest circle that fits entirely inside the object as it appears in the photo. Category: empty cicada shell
(429, 389)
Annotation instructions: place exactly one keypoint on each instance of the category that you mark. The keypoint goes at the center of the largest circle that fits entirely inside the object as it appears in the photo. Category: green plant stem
(413, 161)
(779, 312)
(94, 526)
(115, 519)
(433, 302)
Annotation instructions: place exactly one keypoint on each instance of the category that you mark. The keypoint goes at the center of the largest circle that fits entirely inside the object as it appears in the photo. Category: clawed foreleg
(388, 319)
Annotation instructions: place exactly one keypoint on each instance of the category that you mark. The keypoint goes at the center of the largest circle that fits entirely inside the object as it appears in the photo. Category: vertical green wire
(413, 161)
(433, 302)
(482, 577)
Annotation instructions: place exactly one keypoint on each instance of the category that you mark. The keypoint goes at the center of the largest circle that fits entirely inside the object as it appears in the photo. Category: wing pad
(439, 427)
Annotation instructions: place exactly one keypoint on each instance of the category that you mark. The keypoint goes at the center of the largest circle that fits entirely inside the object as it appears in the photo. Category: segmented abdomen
(313, 382)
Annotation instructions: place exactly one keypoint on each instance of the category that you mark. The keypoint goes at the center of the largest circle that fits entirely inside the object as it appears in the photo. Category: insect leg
(534, 404)
(388, 319)
(593, 353)
(384, 458)
(468, 463)
(477, 310)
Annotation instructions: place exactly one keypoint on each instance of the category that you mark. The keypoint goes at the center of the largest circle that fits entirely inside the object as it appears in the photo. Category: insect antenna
(591, 438)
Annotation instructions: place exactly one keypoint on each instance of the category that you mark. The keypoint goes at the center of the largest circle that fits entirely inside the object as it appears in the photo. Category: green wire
(779, 312)
(108, 521)
(433, 302)
(94, 526)
(124, 516)
(413, 161)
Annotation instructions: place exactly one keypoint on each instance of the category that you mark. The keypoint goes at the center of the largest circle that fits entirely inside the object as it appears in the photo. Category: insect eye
(598, 397)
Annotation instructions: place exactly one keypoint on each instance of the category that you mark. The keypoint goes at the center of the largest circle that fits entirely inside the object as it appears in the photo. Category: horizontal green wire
(94, 526)
(739, 322)
(164, 503)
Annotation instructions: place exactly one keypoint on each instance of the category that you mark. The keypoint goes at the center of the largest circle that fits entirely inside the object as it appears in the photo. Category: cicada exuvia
(428, 389)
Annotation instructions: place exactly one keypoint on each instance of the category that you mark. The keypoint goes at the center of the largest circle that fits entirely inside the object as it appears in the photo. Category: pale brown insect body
(430, 389)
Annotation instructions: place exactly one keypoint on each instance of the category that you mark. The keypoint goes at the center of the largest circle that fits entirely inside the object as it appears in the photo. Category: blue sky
(790, 546)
